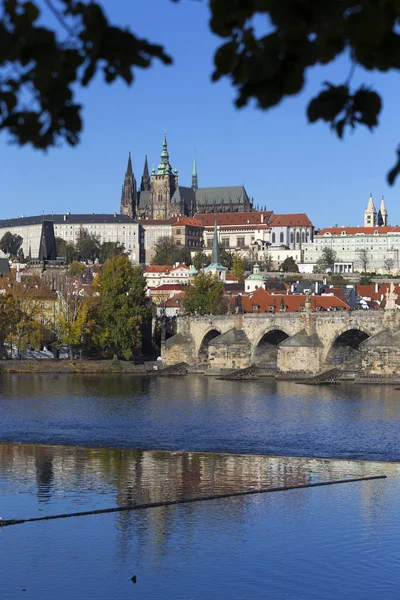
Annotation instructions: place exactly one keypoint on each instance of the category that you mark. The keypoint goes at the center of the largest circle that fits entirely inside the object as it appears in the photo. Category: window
(297, 238)
(178, 232)
(273, 238)
(225, 242)
(292, 237)
(281, 237)
(303, 237)
(209, 243)
(240, 242)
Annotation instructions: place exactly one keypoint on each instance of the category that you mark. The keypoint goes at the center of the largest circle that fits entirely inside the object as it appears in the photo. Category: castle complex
(161, 197)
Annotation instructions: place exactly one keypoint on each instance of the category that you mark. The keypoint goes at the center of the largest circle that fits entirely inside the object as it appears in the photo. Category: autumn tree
(77, 270)
(73, 322)
(205, 296)
(123, 306)
(238, 267)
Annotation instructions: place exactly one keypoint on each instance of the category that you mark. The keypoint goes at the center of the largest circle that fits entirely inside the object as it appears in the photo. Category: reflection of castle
(142, 477)
(161, 197)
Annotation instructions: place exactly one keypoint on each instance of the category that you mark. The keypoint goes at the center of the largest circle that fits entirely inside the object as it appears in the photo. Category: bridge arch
(344, 350)
(265, 353)
(209, 335)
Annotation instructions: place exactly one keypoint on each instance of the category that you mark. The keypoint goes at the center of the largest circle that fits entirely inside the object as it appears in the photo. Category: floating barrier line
(101, 511)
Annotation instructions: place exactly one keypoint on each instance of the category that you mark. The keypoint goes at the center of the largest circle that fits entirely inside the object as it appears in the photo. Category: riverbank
(76, 366)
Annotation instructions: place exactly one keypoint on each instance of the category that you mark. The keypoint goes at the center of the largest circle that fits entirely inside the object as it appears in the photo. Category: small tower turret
(370, 214)
(195, 181)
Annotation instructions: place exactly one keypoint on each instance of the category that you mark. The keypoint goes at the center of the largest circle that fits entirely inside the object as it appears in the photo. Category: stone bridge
(308, 342)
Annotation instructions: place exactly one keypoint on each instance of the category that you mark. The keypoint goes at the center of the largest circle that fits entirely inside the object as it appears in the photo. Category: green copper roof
(215, 267)
(164, 168)
(257, 277)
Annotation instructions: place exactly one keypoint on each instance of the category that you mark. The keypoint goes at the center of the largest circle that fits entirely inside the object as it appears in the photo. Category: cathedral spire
(145, 184)
(128, 195)
(164, 168)
(195, 182)
(215, 248)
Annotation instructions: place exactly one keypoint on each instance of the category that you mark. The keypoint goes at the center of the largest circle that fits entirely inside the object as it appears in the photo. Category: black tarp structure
(47, 248)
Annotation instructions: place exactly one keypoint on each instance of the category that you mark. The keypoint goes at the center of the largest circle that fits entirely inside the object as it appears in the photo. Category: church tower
(370, 215)
(145, 184)
(383, 218)
(128, 196)
(164, 182)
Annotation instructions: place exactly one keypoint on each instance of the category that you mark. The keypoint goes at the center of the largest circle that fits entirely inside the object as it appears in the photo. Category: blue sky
(286, 164)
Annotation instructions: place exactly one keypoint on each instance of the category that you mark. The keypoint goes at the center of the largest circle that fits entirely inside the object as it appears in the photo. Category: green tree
(238, 267)
(167, 252)
(123, 306)
(225, 257)
(265, 63)
(389, 264)
(326, 262)
(77, 270)
(87, 245)
(21, 256)
(66, 250)
(110, 250)
(205, 296)
(200, 260)
(10, 244)
(289, 265)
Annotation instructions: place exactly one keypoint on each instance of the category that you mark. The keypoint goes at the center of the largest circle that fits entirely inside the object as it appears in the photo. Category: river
(72, 443)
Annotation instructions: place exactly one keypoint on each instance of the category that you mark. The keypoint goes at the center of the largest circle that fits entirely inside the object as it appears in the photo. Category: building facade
(107, 227)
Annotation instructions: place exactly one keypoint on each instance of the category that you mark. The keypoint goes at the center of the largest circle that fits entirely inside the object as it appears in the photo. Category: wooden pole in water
(101, 511)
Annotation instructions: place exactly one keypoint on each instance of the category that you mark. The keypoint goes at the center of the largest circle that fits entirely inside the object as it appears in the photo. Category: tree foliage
(167, 252)
(123, 306)
(87, 245)
(110, 250)
(363, 259)
(41, 67)
(201, 260)
(77, 269)
(10, 244)
(205, 296)
(289, 265)
(238, 268)
(270, 63)
(326, 262)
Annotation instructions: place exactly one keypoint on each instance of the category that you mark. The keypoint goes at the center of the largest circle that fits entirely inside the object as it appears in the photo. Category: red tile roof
(169, 286)
(158, 269)
(291, 220)
(359, 230)
(236, 218)
(187, 221)
(265, 301)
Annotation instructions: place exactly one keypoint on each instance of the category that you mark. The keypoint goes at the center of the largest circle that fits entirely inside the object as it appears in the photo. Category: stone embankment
(75, 366)
(242, 374)
(175, 370)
